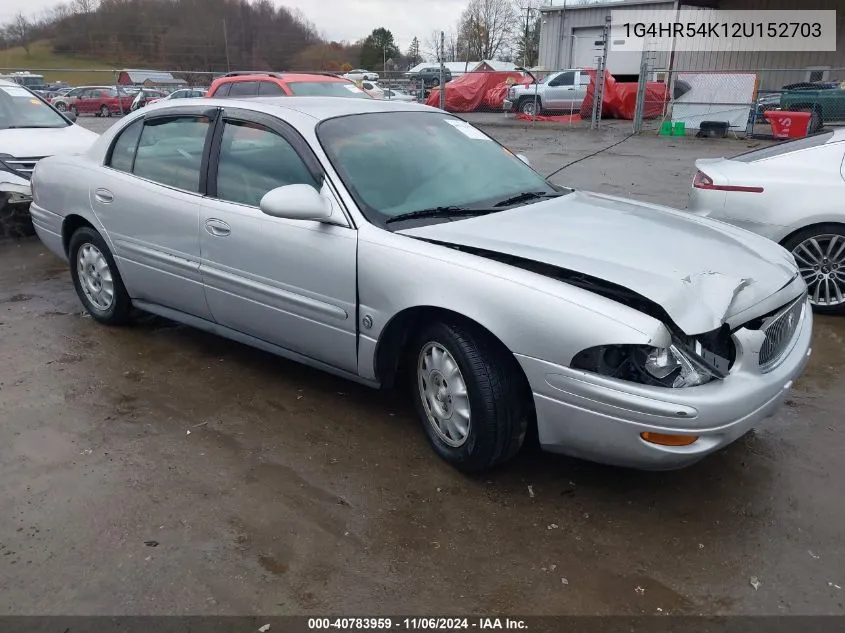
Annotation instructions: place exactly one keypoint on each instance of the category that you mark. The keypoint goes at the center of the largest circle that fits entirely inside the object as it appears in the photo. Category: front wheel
(105, 112)
(60, 106)
(530, 106)
(820, 254)
(96, 278)
(470, 396)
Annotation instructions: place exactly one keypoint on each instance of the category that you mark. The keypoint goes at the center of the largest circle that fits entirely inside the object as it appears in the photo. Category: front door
(560, 93)
(148, 198)
(288, 282)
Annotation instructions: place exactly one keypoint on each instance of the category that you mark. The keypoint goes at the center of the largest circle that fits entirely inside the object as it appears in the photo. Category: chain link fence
(750, 102)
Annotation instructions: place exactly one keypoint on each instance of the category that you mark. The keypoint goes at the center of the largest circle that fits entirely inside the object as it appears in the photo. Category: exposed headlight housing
(675, 366)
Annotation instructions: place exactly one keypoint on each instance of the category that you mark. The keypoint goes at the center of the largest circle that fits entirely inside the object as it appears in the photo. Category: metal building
(569, 33)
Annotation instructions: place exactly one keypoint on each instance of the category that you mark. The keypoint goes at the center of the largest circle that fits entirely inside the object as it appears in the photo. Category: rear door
(291, 283)
(148, 197)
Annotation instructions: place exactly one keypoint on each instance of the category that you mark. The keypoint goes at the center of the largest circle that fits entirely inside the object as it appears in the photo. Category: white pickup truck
(562, 90)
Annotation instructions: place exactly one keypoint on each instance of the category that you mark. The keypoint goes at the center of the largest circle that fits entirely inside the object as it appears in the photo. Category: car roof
(284, 77)
(319, 108)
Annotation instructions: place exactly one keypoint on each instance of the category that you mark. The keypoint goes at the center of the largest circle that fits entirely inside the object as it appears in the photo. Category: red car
(242, 85)
(103, 102)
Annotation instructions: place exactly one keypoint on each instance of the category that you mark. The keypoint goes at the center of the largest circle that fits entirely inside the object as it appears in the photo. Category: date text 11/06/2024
(726, 30)
(417, 624)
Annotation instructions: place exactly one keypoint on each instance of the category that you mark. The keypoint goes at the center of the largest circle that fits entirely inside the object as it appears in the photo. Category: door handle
(104, 195)
(217, 228)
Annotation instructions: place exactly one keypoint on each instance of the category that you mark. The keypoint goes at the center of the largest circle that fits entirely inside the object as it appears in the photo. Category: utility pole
(528, 10)
(442, 70)
(598, 93)
(226, 42)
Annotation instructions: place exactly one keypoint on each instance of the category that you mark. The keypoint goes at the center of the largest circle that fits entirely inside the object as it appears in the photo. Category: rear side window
(244, 89)
(270, 89)
(170, 151)
(222, 91)
(784, 148)
(123, 151)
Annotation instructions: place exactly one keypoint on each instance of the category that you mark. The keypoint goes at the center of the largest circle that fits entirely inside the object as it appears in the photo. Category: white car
(392, 94)
(359, 74)
(31, 129)
(372, 89)
(792, 193)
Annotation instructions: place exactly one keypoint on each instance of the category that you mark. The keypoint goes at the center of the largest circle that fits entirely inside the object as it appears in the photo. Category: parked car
(564, 90)
(372, 89)
(146, 96)
(65, 103)
(627, 332)
(184, 93)
(791, 193)
(825, 103)
(103, 102)
(360, 74)
(31, 129)
(394, 94)
(244, 85)
(429, 76)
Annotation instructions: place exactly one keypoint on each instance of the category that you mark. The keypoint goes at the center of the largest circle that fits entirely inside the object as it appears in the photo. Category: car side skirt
(246, 339)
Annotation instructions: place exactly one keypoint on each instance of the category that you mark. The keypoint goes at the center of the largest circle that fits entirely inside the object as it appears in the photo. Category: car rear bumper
(601, 419)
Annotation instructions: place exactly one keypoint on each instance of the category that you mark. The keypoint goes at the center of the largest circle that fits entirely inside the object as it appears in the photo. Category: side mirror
(296, 202)
(524, 159)
(70, 115)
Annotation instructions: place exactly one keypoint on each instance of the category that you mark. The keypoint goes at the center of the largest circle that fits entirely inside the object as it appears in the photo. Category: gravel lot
(155, 469)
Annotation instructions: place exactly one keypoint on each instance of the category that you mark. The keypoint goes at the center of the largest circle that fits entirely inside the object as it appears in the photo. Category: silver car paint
(542, 321)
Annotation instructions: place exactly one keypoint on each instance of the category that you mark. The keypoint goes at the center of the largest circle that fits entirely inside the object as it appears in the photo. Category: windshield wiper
(527, 195)
(441, 212)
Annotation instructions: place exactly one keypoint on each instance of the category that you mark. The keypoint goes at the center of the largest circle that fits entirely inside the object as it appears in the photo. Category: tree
(378, 47)
(486, 27)
(21, 31)
(527, 50)
(414, 57)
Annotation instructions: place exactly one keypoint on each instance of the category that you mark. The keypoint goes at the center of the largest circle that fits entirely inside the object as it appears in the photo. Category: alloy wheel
(95, 277)
(821, 260)
(444, 395)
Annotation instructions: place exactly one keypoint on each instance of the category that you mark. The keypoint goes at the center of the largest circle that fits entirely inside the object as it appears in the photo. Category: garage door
(585, 53)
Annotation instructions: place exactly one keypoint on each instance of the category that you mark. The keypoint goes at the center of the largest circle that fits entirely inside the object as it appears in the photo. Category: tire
(816, 123)
(105, 112)
(824, 268)
(435, 82)
(73, 110)
(86, 248)
(61, 106)
(497, 401)
(526, 106)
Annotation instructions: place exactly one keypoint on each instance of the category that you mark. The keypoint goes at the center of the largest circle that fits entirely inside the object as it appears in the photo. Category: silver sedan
(388, 242)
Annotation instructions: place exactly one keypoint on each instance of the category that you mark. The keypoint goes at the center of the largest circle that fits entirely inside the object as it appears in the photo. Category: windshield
(19, 108)
(394, 163)
(326, 89)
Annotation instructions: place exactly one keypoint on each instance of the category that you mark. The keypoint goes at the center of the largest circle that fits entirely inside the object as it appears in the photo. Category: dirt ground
(154, 469)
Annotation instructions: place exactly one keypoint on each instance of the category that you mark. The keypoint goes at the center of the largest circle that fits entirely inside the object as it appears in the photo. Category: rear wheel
(469, 394)
(96, 278)
(105, 112)
(60, 106)
(820, 254)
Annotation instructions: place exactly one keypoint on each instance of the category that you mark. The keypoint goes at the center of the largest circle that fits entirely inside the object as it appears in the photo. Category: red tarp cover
(557, 118)
(473, 91)
(620, 99)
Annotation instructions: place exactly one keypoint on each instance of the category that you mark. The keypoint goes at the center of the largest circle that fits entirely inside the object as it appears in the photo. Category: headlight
(672, 366)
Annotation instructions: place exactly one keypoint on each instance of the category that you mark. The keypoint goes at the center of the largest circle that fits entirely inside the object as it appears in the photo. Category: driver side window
(564, 79)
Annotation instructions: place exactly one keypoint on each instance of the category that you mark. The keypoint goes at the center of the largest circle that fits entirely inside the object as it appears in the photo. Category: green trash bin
(666, 128)
(680, 129)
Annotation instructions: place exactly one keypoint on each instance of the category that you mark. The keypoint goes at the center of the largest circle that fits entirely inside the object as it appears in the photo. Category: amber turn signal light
(669, 440)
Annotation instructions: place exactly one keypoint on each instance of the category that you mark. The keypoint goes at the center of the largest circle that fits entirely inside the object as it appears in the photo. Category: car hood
(699, 271)
(38, 142)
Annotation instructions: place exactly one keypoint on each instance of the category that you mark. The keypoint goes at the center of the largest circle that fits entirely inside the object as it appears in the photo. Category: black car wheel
(96, 278)
(470, 395)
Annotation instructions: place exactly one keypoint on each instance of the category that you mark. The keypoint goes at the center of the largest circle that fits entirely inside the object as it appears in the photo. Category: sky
(335, 19)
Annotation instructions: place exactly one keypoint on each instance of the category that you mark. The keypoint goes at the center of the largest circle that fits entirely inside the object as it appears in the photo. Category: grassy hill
(75, 71)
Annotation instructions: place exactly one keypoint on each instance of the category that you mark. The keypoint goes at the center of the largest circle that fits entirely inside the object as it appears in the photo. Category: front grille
(780, 330)
(23, 165)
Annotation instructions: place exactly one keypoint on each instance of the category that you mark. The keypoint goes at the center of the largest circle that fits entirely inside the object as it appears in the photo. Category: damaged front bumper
(15, 198)
(602, 419)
